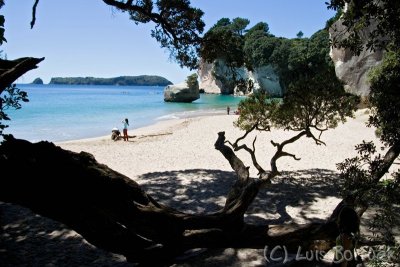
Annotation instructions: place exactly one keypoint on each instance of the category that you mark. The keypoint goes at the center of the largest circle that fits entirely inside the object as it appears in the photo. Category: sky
(80, 38)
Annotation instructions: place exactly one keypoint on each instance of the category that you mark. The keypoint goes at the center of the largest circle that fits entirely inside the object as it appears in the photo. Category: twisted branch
(34, 13)
(280, 153)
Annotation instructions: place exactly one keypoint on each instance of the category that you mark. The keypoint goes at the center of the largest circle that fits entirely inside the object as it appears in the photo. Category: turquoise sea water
(67, 112)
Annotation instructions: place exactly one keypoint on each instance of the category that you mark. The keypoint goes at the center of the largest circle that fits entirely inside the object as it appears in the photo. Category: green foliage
(259, 27)
(146, 80)
(385, 97)
(332, 20)
(224, 41)
(177, 25)
(296, 58)
(387, 256)
(257, 110)
(191, 81)
(291, 58)
(358, 178)
(239, 25)
(300, 34)
(362, 14)
(10, 98)
(364, 176)
(317, 101)
(259, 46)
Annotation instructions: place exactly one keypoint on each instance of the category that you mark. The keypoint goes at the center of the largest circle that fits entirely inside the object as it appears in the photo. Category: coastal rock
(352, 69)
(265, 78)
(217, 78)
(37, 81)
(181, 92)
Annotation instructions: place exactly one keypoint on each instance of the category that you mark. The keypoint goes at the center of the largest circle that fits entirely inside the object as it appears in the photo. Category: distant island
(37, 81)
(144, 80)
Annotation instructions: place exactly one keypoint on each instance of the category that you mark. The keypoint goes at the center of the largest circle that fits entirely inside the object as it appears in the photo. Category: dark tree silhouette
(113, 212)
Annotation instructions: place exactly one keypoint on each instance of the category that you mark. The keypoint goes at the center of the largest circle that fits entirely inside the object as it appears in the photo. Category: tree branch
(317, 141)
(236, 147)
(156, 18)
(391, 155)
(280, 153)
(34, 13)
(244, 136)
(112, 212)
(12, 70)
(237, 165)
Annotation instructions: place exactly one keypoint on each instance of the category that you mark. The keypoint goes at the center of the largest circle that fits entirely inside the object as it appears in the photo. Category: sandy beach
(175, 161)
(185, 144)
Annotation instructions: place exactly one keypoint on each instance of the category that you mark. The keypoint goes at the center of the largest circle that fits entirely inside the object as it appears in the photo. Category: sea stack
(186, 92)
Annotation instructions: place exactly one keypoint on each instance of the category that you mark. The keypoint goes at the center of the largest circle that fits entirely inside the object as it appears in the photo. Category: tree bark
(10, 70)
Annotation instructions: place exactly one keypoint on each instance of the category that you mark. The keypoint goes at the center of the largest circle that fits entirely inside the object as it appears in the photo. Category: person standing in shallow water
(125, 129)
(228, 109)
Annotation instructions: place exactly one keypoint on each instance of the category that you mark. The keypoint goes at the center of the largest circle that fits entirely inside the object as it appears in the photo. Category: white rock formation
(216, 78)
(181, 93)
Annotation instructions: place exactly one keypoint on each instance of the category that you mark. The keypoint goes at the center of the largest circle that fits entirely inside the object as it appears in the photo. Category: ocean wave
(167, 117)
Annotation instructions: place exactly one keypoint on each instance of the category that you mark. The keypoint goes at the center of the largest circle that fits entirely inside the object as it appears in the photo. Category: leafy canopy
(374, 25)
(177, 25)
(381, 17)
(10, 98)
(225, 41)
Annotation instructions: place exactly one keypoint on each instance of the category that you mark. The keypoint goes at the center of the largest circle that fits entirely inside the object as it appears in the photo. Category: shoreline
(143, 130)
(188, 143)
(66, 114)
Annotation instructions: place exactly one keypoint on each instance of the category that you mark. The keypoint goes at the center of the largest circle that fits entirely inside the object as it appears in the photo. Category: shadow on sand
(27, 239)
(199, 191)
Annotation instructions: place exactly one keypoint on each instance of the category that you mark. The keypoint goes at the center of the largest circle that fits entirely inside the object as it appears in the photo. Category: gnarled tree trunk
(112, 212)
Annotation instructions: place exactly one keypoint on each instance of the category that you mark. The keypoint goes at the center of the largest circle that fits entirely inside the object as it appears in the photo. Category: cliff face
(216, 78)
(209, 82)
(351, 69)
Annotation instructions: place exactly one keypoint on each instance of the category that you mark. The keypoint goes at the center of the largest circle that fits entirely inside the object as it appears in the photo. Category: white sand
(189, 144)
(179, 154)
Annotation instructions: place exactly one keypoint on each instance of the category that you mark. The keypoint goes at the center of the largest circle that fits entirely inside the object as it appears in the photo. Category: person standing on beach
(228, 109)
(125, 129)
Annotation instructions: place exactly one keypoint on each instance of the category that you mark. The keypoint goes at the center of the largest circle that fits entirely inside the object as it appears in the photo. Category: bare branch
(280, 153)
(317, 140)
(320, 131)
(253, 157)
(237, 165)
(285, 154)
(34, 13)
(391, 155)
(244, 136)
(236, 147)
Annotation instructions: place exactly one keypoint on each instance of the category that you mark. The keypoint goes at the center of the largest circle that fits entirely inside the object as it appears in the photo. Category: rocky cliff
(217, 78)
(352, 69)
